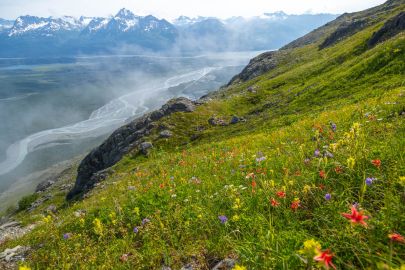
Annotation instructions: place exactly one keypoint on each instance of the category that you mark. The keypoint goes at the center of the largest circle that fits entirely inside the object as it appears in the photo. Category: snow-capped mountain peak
(46, 26)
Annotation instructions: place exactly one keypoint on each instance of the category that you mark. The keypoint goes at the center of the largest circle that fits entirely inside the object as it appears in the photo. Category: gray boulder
(165, 134)
(145, 146)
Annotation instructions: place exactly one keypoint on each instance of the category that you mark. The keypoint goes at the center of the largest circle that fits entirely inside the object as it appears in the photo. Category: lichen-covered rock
(145, 146)
(121, 142)
(43, 186)
(165, 134)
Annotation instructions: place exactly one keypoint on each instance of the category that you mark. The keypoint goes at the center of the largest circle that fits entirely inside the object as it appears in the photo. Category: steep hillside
(297, 164)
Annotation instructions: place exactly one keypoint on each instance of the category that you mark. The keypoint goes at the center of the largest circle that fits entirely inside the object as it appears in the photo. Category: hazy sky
(169, 9)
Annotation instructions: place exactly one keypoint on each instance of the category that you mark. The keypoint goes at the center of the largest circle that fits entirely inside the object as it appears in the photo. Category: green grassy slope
(261, 174)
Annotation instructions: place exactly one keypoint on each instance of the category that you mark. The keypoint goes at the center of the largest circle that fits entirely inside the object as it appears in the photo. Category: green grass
(185, 184)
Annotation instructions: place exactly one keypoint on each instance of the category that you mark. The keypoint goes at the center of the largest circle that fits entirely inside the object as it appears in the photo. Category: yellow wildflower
(311, 248)
(239, 267)
(351, 162)
(136, 211)
(237, 204)
(307, 188)
(47, 219)
(235, 218)
(402, 180)
(98, 226)
(23, 267)
(334, 146)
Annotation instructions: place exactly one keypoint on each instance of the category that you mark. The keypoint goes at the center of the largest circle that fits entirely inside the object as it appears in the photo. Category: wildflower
(356, 216)
(260, 159)
(135, 230)
(239, 267)
(295, 204)
(47, 219)
(333, 126)
(338, 170)
(328, 196)
(334, 146)
(136, 211)
(328, 154)
(321, 186)
(396, 237)
(322, 174)
(351, 162)
(307, 188)
(67, 236)
(199, 216)
(23, 267)
(325, 257)
(311, 248)
(370, 180)
(124, 257)
(162, 185)
(317, 153)
(235, 218)
(307, 161)
(223, 219)
(254, 184)
(402, 180)
(98, 226)
(145, 221)
(237, 204)
(250, 175)
(280, 194)
(274, 202)
(376, 162)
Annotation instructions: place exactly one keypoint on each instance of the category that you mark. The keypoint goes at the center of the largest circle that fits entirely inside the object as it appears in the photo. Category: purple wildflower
(145, 221)
(328, 196)
(67, 236)
(136, 230)
(317, 153)
(370, 180)
(333, 126)
(328, 154)
(223, 219)
(260, 159)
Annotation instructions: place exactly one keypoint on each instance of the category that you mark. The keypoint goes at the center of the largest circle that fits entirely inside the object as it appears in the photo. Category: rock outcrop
(390, 29)
(258, 66)
(345, 30)
(122, 141)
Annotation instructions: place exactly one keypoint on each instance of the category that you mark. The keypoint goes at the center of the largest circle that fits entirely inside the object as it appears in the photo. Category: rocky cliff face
(127, 138)
(258, 66)
(391, 28)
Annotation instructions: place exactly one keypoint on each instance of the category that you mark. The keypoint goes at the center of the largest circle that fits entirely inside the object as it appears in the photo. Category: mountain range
(127, 32)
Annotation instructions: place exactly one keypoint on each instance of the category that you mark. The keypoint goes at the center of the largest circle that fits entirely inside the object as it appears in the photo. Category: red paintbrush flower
(274, 202)
(325, 257)
(322, 174)
(356, 217)
(396, 237)
(338, 170)
(253, 186)
(280, 194)
(295, 204)
(376, 162)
